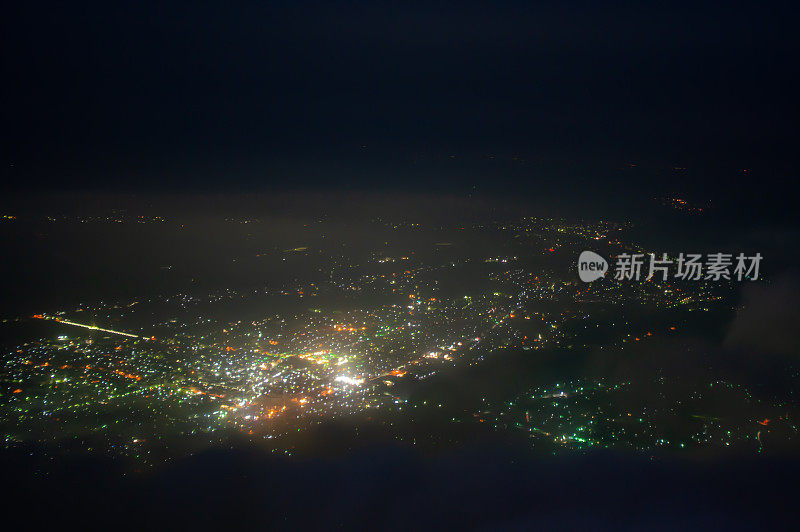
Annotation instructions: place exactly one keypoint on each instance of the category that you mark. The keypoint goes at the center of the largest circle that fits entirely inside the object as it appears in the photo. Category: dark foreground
(388, 488)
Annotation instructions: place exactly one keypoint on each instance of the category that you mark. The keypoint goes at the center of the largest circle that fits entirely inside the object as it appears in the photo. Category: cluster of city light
(278, 373)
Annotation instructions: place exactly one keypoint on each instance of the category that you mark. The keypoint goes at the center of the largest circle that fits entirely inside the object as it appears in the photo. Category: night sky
(251, 96)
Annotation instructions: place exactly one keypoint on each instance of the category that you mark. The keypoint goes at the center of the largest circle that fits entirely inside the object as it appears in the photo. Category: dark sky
(260, 95)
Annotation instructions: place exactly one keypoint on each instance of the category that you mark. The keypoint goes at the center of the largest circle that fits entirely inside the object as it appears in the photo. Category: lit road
(92, 327)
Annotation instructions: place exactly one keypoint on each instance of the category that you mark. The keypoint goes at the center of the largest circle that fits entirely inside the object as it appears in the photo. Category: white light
(349, 380)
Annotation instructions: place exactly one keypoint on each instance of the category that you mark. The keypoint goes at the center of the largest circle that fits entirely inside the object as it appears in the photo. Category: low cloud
(769, 319)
